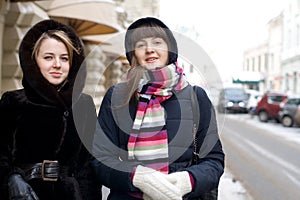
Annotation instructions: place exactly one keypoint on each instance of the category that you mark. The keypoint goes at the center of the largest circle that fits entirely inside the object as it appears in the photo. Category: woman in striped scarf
(148, 133)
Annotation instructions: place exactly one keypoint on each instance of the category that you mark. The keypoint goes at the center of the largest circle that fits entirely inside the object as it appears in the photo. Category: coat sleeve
(210, 167)
(8, 121)
(112, 171)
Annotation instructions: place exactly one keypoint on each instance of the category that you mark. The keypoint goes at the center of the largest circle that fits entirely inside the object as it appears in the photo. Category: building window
(253, 64)
(271, 62)
(298, 35)
(248, 64)
(266, 63)
(259, 63)
(287, 82)
(289, 42)
(295, 82)
(191, 68)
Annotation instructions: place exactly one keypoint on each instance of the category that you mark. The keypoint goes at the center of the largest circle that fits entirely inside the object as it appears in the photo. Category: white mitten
(182, 181)
(154, 184)
(146, 197)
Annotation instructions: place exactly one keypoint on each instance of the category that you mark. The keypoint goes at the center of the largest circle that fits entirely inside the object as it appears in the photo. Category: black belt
(48, 170)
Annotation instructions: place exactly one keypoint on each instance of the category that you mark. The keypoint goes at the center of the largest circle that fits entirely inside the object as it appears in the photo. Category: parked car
(233, 99)
(288, 110)
(253, 97)
(268, 107)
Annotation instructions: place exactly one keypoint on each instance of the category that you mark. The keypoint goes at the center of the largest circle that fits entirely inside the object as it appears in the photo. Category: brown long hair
(136, 72)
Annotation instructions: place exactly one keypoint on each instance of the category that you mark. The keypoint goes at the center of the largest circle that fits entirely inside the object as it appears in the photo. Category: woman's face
(151, 53)
(53, 61)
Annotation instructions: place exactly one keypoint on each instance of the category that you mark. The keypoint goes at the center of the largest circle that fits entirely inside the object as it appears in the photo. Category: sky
(225, 28)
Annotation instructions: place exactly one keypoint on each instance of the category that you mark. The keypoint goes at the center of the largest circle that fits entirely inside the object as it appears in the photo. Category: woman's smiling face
(53, 61)
(151, 53)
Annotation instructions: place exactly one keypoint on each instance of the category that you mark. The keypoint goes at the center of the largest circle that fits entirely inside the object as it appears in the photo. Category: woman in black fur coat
(47, 127)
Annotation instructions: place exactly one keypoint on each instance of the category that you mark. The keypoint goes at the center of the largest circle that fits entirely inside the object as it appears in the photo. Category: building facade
(274, 54)
(256, 61)
(104, 68)
(291, 48)
(278, 59)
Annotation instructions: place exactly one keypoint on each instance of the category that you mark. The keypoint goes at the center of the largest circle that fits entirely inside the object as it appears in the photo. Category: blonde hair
(58, 35)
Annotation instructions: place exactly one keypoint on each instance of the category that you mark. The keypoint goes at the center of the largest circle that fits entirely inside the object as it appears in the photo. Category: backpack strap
(196, 119)
(213, 194)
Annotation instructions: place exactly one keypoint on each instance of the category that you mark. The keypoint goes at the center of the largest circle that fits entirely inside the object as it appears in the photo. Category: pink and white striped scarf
(148, 141)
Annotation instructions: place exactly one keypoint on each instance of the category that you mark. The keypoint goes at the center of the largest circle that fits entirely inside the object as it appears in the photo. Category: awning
(87, 17)
(248, 78)
(13, 1)
(111, 44)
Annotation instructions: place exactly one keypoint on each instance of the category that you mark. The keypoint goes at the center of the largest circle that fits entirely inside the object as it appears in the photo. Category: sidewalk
(231, 189)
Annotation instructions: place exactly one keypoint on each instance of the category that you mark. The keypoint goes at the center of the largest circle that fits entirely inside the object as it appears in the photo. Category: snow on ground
(231, 189)
(287, 133)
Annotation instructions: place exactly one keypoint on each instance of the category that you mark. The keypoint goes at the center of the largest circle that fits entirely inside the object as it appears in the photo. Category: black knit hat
(149, 22)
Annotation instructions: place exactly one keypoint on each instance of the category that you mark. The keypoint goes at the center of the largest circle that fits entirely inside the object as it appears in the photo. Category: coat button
(66, 113)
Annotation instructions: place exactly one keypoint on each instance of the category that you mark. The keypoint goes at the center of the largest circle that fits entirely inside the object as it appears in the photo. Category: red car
(269, 105)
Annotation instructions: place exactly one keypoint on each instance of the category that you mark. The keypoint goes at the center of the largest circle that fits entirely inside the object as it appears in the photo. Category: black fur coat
(40, 123)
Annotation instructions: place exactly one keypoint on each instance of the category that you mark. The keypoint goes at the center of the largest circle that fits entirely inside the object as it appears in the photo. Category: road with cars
(264, 157)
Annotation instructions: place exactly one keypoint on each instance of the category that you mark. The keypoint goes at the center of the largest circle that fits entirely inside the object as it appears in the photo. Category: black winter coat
(41, 123)
(110, 146)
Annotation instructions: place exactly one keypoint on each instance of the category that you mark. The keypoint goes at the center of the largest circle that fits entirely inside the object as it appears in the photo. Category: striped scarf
(148, 141)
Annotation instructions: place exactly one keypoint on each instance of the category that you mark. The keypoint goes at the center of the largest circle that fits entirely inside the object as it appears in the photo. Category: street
(264, 157)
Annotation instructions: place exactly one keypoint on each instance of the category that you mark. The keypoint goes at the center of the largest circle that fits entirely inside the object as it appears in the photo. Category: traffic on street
(263, 156)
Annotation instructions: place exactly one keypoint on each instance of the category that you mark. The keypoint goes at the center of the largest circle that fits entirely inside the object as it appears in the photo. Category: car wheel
(263, 116)
(287, 121)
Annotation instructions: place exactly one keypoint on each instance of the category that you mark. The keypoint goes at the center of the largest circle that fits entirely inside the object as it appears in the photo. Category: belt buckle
(43, 170)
